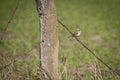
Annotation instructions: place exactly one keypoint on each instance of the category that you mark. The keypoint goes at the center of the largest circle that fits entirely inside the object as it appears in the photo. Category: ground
(99, 22)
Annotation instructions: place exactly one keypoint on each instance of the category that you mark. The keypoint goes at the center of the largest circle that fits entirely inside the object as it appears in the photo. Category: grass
(98, 20)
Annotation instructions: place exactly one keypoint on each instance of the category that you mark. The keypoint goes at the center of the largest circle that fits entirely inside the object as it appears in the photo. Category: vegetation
(100, 25)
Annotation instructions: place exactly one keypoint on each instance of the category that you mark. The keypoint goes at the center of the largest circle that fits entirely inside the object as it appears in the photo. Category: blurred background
(99, 21)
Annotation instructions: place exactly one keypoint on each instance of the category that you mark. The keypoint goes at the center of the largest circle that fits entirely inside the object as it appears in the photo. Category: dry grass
(86, 72)
(102, 34)
(9, 71)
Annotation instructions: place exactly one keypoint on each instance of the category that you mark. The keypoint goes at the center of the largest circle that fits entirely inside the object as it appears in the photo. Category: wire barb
(85, 46)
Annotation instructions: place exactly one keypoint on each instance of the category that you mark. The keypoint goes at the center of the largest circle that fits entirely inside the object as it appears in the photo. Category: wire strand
(85, 45)
(9, 21)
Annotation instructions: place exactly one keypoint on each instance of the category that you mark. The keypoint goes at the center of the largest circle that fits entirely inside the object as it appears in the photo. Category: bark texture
(49, 39)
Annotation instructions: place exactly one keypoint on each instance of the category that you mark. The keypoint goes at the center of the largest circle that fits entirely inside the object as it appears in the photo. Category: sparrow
(76, 33)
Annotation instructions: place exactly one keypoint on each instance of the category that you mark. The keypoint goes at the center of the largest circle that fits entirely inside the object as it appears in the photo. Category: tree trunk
(49, 39)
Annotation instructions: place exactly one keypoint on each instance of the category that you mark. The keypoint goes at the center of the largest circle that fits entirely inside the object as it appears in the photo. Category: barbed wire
(14, 61)
(86, 47)
(9, 21)
(3, 33)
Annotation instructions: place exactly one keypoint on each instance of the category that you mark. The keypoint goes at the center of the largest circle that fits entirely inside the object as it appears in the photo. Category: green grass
(98, 20)
(94, 17)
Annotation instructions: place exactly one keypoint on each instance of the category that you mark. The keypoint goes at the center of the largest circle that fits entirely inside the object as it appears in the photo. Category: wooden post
(49, 39)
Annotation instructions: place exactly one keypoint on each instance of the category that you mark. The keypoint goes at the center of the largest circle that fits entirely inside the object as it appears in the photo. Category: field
(99, 21)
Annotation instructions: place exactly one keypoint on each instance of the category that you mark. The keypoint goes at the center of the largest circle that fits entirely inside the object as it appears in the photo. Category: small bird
(76, 33)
